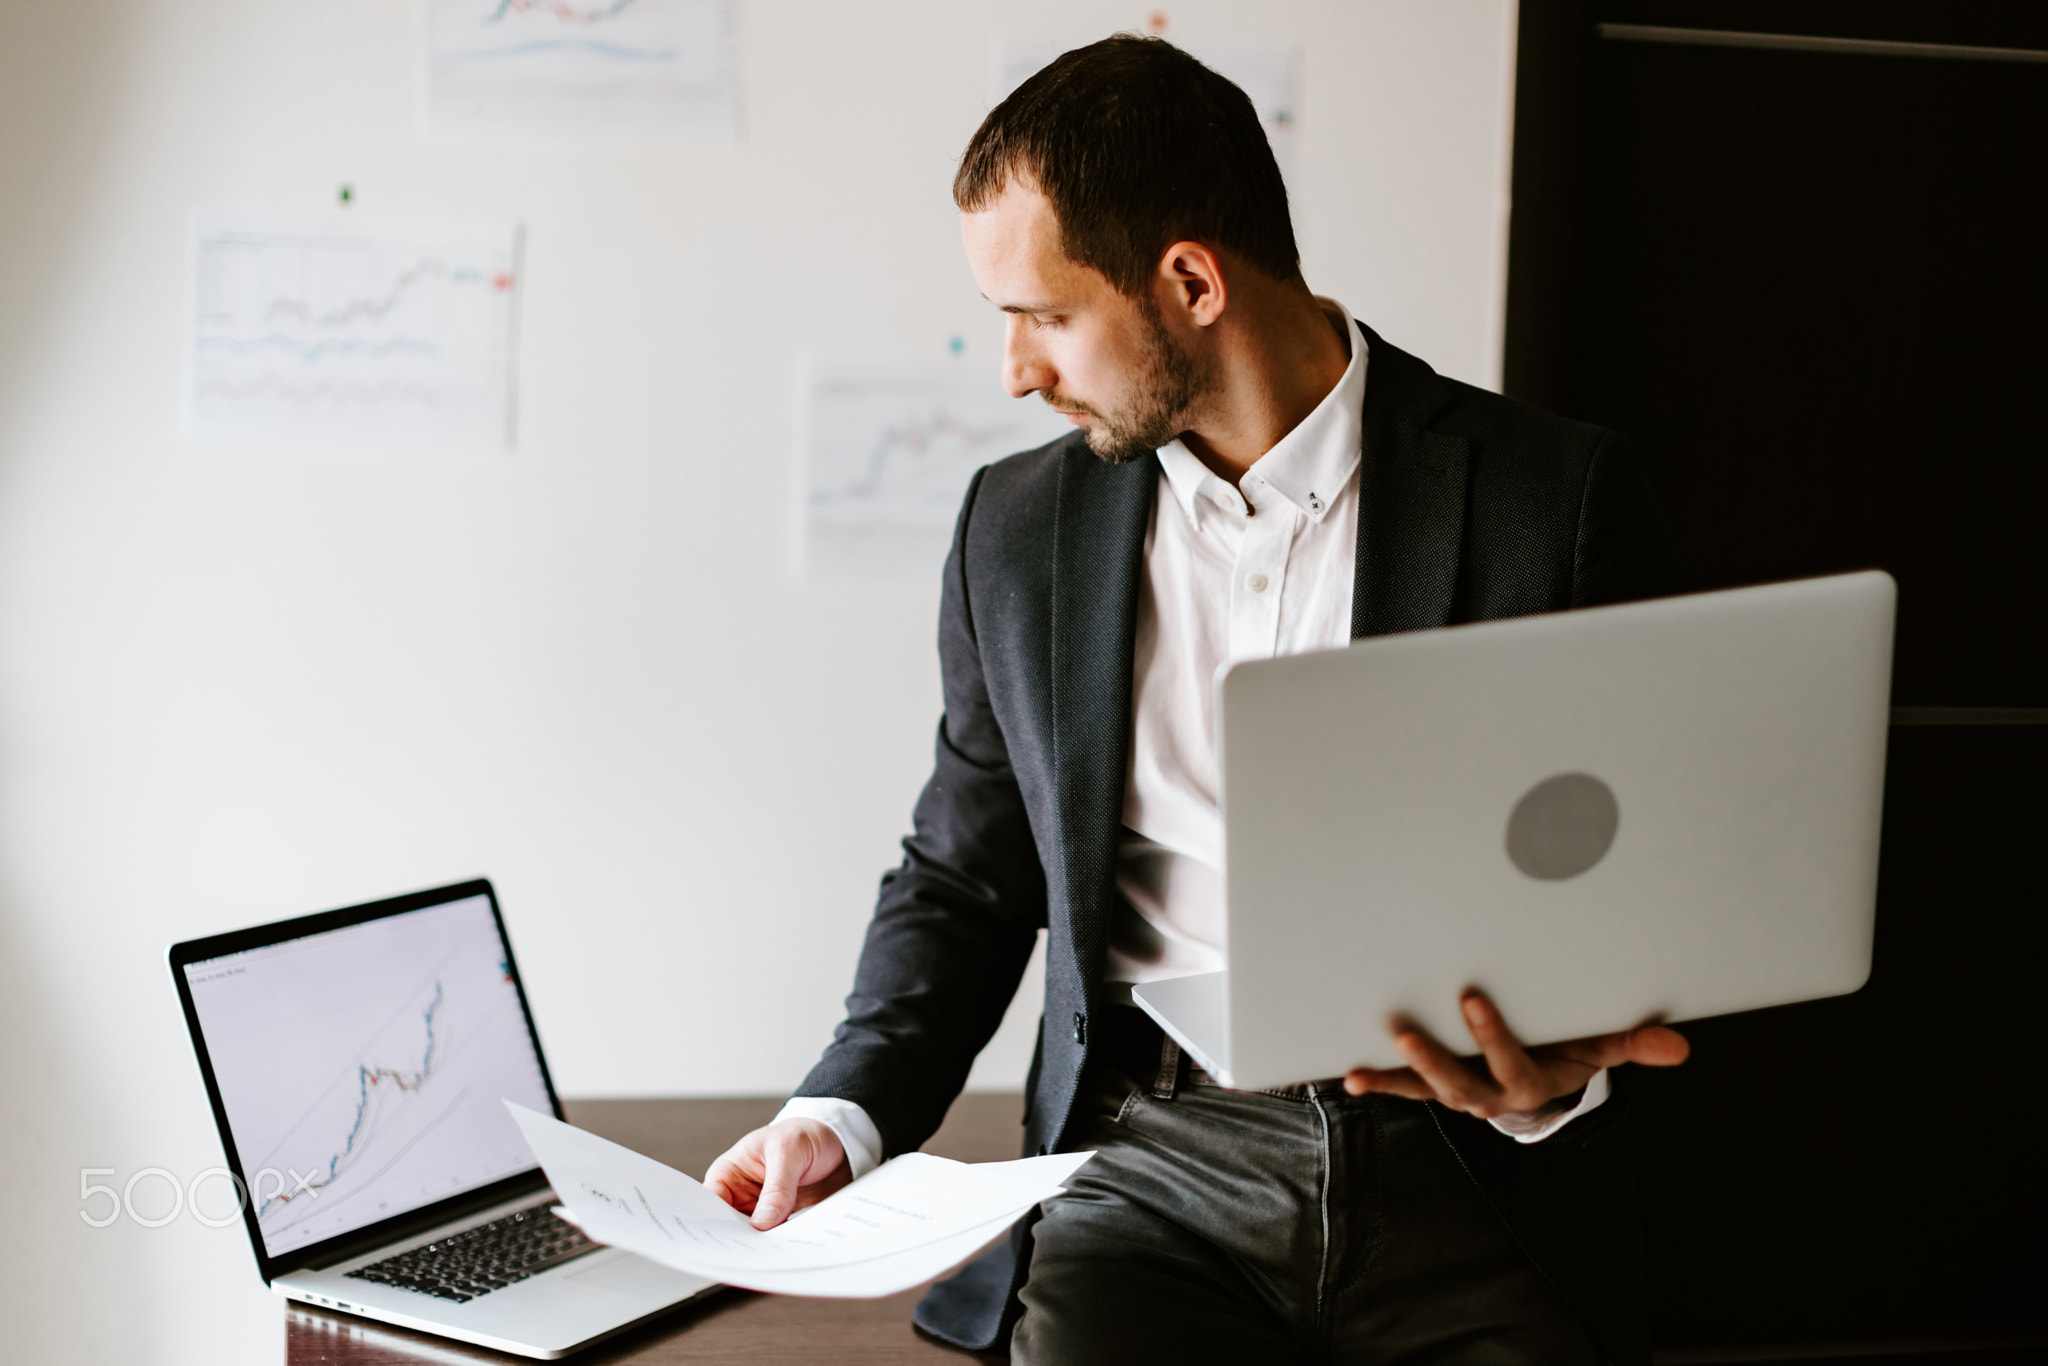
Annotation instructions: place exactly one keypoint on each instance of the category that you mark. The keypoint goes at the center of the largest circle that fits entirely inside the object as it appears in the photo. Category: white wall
(238, 685)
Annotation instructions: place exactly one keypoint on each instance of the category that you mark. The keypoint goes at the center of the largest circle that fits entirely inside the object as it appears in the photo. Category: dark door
(1812, 278)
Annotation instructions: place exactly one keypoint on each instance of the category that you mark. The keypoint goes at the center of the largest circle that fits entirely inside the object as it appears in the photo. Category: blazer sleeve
(1625, 548)
(956, 921)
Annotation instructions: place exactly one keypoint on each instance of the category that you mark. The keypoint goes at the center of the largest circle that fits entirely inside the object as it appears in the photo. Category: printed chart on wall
(364, 1071)
(1267, 75)
(578, 70)
(887, 453)
(333, 328)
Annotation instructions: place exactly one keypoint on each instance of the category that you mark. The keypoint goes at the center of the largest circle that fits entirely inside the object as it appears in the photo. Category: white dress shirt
(1250, 572)
(1228, 575)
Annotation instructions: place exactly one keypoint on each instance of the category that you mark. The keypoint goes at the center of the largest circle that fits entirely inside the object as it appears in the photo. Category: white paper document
(579, 70)
(341, 328)
(888, 451)
(900, 1225)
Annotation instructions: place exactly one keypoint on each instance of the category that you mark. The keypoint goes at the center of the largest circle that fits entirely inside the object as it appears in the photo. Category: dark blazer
(1471, 507)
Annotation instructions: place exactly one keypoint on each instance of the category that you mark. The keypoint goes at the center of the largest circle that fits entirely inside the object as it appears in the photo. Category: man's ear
(1191, 283)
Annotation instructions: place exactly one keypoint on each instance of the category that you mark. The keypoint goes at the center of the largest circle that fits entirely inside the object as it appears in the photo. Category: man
(1254, 473)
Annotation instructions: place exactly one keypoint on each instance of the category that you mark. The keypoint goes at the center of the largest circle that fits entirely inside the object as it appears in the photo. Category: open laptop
(1662, 810)
(358, 1062)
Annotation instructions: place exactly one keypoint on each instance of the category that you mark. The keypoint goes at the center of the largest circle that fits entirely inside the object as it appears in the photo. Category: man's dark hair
(1138, 146)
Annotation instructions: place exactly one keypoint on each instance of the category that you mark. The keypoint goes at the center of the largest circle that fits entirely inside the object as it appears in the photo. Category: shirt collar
(1305, 468)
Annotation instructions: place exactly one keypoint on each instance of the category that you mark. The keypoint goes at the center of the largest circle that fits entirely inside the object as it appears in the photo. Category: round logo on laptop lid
(1562, 826)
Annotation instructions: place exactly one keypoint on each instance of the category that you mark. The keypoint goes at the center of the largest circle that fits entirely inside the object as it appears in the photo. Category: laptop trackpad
(635, 1276)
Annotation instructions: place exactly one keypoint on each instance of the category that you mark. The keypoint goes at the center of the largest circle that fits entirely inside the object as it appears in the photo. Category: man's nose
(1024, 370)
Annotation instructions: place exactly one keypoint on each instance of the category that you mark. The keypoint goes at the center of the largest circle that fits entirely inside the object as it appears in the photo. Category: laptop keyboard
(479, 1260)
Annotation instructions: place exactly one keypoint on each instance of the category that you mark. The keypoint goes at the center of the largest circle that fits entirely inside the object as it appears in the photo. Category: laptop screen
(363, 1070)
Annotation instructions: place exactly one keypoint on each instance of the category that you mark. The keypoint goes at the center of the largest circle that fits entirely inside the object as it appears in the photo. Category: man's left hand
(1506, 1078)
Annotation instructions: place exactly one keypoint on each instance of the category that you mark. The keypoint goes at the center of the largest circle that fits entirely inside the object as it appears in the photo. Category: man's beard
(1157, 411)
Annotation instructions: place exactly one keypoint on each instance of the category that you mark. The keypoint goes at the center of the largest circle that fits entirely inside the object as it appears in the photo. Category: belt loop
(1168, 1080)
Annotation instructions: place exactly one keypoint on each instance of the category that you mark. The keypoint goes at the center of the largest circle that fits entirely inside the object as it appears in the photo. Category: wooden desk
(732, 1326)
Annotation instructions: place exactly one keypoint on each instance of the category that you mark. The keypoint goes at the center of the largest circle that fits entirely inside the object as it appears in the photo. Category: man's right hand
(774, 1172)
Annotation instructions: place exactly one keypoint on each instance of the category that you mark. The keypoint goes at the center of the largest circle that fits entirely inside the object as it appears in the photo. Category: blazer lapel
(1098, 548)
(1411, 508)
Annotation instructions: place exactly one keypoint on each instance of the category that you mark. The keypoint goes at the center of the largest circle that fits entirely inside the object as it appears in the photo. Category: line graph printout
(887, 453)
(1268, 75)
(579, 70)
(339, 328)
(365, 1070)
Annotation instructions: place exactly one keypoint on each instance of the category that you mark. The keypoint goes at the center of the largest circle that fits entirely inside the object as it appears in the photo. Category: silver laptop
(358, 1063)
(1663, 810)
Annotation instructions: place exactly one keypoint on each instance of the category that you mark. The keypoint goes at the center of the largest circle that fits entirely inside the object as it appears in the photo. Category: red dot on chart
(502, 280)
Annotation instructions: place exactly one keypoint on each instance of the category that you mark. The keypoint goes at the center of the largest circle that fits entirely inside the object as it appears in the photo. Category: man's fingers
(833, 1181)
(729, 1183)
(777, 1170)
(1449, 1080)
(1656, 1046)
(1651, 1045)
(736, 1176)
(784, 1170)
(1387, 1081)
(1520, 1079)
(1519, 1076)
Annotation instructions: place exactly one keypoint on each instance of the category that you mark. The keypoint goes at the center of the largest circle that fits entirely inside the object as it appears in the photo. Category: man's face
(1101, 358)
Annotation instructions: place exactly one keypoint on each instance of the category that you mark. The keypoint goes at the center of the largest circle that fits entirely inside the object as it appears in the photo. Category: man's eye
(1044, 322)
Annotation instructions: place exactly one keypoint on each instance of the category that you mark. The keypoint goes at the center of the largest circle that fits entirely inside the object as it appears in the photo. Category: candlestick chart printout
(364, 1070)
(887, 454)
(579, 70)
(335, 328)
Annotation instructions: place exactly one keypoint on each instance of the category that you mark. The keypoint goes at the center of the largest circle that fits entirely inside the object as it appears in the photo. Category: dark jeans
(1295, 1226)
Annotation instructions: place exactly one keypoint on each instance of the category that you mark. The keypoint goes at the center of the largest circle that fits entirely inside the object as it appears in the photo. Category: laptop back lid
(357, 1062)
(1663, 809)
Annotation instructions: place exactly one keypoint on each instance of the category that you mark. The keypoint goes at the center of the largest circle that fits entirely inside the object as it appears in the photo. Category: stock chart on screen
(364, 1070)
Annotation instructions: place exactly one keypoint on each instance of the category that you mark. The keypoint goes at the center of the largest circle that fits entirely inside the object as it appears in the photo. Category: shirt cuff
(857, 1133)
(1533, 1126)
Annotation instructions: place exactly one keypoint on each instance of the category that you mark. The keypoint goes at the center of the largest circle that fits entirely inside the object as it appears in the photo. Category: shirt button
(1257, 583)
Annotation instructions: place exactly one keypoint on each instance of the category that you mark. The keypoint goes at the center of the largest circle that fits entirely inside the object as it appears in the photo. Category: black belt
(1127, 1039)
